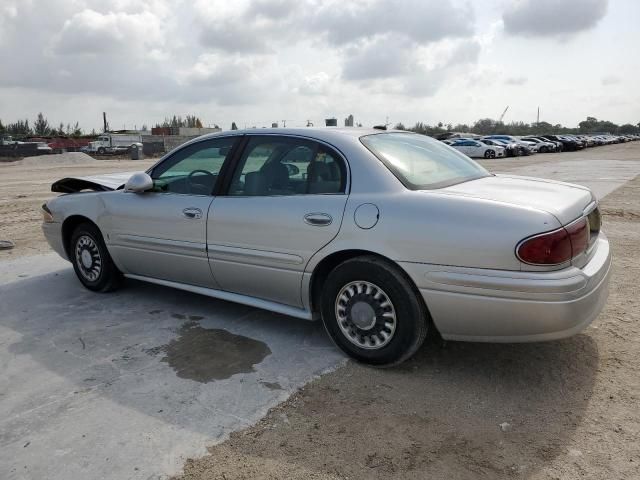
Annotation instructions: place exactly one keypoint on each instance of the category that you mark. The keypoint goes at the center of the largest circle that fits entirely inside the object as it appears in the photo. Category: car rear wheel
(489, 154)
(372, 312)
(91, 260)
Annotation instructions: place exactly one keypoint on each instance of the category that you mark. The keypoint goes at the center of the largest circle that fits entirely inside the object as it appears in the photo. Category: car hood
(99, 183)
(565, 201)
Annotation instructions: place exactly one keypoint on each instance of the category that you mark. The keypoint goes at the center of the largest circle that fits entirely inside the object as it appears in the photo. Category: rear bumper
(53, 233)
(501, 306)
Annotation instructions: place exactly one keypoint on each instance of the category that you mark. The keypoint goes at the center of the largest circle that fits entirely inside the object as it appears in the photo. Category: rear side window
(272, 165)
(421, 162)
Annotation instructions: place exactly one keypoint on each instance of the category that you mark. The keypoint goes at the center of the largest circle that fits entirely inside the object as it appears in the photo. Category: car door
(461, 146)
(283, 203)
(162, 233)
(476, 149)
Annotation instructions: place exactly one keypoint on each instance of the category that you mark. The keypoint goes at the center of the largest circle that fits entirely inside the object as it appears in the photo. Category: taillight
(558, 246)
(579, 235)
(546, 249)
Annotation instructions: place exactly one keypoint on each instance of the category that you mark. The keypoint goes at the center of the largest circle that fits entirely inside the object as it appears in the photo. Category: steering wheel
(192, 184)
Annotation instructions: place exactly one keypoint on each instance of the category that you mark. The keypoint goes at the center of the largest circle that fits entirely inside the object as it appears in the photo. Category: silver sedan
(385, 236)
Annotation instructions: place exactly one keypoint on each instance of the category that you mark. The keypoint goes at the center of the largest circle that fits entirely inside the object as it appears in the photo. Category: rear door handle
(318, 219)
(192, 213)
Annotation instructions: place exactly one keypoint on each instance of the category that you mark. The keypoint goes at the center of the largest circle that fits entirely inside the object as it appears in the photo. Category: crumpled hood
(565, 201)
(99, 183)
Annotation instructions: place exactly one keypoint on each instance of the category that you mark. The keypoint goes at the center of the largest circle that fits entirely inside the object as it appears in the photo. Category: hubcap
(88, 258)
(365, 315)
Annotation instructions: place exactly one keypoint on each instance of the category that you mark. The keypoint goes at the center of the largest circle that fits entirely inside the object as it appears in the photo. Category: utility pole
(538, 118)
(104, 120)
(284, 124)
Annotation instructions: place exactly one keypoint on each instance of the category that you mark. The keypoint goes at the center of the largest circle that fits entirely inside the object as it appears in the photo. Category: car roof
(326, 134)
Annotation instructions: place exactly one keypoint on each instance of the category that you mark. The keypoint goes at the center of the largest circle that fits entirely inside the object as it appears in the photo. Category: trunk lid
(565, 201)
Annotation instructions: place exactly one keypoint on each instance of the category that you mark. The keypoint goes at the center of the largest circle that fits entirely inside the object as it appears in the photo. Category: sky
(255, 62)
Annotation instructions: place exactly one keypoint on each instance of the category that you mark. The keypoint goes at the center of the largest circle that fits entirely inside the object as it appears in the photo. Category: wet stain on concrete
(179, 316)
(272, 385)
(207, 354)
(155, 312)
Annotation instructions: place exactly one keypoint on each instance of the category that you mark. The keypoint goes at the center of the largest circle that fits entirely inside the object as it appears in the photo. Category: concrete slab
(601, 176)
(94, 386)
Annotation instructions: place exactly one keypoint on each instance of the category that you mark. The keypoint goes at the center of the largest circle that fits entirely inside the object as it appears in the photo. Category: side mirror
(138, 182)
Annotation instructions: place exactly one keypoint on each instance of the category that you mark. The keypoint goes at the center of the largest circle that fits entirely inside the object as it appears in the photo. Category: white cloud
(610, 80)
(93, 33)
(315, 84)
(516, 81)
(552, 17)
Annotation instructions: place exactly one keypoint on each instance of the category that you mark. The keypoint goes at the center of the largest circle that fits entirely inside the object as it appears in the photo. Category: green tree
(19, 128)
(628, 129)
(484, 126)
(41, 126)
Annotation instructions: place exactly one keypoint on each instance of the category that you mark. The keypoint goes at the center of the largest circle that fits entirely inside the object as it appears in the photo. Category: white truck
(109, 143)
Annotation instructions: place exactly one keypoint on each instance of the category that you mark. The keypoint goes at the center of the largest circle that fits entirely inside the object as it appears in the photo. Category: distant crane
(502, 116)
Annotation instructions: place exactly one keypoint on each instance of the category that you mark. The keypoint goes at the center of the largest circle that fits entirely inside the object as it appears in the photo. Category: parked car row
(495, 146)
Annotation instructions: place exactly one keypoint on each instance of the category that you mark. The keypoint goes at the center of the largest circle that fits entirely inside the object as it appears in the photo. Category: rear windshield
(420, 162)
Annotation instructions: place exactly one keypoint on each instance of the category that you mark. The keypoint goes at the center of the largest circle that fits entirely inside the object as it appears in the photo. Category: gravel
(68, 158)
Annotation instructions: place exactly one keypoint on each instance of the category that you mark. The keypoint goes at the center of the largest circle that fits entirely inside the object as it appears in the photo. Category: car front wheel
(91, 260)
(372, 312)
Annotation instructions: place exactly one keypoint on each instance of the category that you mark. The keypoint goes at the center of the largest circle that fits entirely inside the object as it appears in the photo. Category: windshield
(420, 162)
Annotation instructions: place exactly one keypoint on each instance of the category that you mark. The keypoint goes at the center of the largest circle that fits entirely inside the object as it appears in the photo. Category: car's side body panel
(149, 234)
(433, 227)
(260, 245)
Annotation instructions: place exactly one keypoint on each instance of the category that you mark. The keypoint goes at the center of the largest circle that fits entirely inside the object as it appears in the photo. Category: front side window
(272, 165)
(194, 169)
(421, 162)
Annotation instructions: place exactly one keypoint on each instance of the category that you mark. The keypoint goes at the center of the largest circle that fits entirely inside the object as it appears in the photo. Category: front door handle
(192, 213)
(318, 219)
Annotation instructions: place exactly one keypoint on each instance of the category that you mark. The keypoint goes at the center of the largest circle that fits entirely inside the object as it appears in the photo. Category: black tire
(489, 153)
(544, 149)
(411, 318)
(101, 151)
(91, 260)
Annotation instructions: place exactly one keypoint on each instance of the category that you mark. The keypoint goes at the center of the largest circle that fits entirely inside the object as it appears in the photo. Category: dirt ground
(558, 410)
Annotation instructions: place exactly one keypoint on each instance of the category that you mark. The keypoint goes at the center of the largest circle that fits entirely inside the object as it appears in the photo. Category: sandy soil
(560, 410)
(26, 185)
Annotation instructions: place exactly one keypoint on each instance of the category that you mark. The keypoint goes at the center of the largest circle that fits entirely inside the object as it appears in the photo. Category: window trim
(225, 184)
